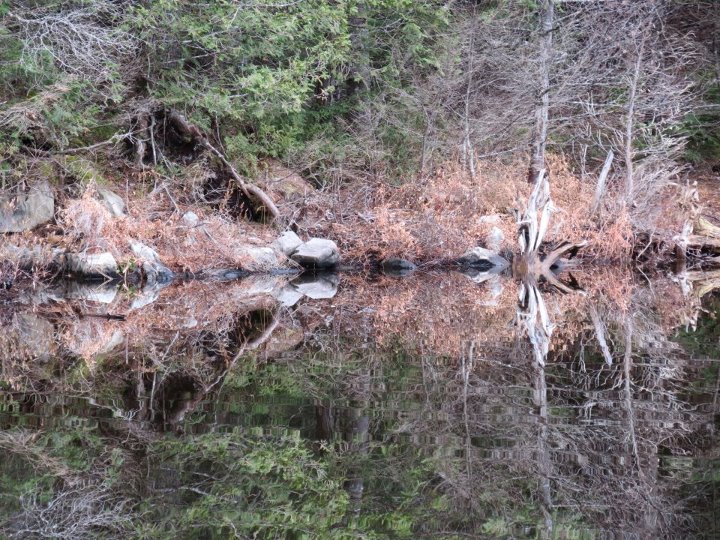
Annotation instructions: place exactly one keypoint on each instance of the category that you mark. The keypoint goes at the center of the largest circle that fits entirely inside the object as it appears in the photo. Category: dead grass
(425, 219)
(445, 214)
(155, 219)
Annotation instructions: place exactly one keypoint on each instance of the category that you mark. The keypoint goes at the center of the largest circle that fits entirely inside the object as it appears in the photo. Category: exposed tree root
(184, 127)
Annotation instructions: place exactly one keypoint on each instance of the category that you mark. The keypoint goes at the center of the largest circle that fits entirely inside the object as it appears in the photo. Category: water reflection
(429, 405)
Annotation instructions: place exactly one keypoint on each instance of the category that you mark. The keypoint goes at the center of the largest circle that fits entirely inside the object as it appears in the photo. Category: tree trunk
(468, 152)
(547, 16)
(630, 125)
(602, 180)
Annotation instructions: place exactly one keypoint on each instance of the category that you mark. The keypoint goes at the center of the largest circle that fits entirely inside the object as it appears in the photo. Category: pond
(433, 405)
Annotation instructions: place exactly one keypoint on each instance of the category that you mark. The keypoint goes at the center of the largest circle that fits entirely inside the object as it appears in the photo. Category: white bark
(542, 110)
(630, 125)
(602, 180)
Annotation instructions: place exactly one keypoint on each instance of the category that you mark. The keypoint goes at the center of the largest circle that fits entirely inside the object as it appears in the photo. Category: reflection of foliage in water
(416, 443)
(705, 338)
(222, 485)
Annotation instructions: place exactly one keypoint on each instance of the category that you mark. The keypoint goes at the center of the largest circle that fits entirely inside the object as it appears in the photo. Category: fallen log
(181, 124)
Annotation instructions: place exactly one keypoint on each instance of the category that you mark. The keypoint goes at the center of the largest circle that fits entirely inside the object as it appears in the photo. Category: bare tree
(546, 15)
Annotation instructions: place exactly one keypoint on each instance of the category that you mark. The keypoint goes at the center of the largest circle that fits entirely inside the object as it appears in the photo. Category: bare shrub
(79, 39)
(75, 513)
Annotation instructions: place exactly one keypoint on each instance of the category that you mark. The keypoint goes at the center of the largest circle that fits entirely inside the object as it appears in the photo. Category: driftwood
(532, 315)
(703, 282)
(181, 124)
(529, 266)
(599, 327)
(701, 235)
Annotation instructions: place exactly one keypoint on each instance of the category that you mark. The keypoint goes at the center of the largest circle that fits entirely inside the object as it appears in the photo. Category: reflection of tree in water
(599, 435)
(590, 437)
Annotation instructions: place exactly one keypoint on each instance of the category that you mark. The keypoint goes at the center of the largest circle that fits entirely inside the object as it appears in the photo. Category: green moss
(84, 171)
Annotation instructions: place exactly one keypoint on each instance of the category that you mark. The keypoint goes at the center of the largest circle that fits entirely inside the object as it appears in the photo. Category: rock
(155, 271)
(225, 274)
(90, 337)
(317, 287)
(35, 334)
(146, 297)
(317, 253)
(146, 253)
(288, 296)
(189, 322)
(262, 258)
(282, 183)
(259, 284)
(481, 257)
(287, 243)
(495, 239)
(397, 267)
(102, 293)
(113, 202)
(190, 219)
(25, 211)
(95, 264)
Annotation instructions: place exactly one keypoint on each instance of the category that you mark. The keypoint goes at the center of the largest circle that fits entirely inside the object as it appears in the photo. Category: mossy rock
(84, 171)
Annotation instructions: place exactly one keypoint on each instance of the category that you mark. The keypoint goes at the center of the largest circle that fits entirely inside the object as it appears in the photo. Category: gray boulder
(91, 264)
(287, 243)
(262, 258)
(155, 271)
(481, 257)
(190, 219)
(24, 211)
(113, 202)
(317, 287)
(317, 253)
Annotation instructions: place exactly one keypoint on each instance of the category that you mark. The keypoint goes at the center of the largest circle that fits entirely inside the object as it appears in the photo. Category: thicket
(357, 90)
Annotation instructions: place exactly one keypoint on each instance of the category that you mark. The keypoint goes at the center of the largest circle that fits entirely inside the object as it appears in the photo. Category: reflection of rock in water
(313, 285)
(317, 286)
(28, 336)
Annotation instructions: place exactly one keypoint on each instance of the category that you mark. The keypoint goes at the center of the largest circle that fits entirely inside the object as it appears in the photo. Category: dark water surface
(436, 406)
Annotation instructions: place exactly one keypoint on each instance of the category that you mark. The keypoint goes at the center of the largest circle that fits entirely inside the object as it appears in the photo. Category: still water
(425, 406)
